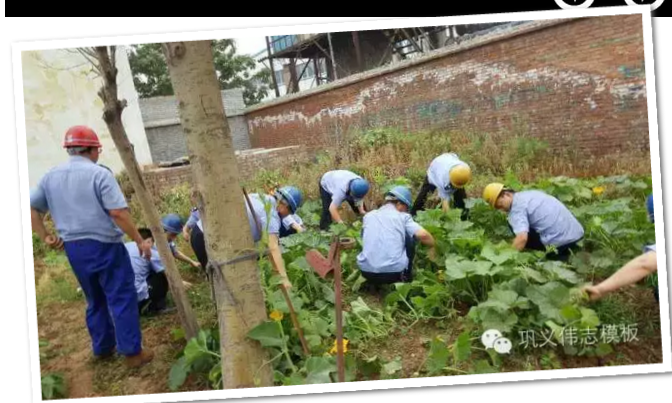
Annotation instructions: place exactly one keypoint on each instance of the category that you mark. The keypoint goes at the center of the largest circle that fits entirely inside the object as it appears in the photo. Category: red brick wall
(249, 162)
(577, 83)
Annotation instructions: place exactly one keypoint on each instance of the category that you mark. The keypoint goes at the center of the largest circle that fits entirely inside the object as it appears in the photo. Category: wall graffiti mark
(433, 109)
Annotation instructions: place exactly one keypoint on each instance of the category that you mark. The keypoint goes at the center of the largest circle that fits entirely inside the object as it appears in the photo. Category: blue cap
(401, 193)
(172, 223)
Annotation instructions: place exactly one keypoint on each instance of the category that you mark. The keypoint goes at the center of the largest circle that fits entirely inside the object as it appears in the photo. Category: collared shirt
(438, 174)
(337, 184)
(384, 238)
(260, 211)
(546, 215)
(291, 219)
(193, 218)
(650, 248)
(142, 268)
(79, 194)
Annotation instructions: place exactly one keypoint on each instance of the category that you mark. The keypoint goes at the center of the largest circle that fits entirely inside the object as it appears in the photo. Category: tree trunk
(112, 116)
(238, 291)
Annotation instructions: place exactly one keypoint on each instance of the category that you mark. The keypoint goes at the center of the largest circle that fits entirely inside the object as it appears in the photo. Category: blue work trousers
(106, 276)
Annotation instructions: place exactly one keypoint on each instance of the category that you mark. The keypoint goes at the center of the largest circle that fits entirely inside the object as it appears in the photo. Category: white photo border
(644, 10)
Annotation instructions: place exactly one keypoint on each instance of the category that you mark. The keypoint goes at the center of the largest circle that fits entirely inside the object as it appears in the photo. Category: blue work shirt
(193, 218)
(142, 268)
(650, 248)
(291, 219)
(337, 184)
(260, 211)
(438, 174)
(546, 215)
(79, 194)
(384, 238)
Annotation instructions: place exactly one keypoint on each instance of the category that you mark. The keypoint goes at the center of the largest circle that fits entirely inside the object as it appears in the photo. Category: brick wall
(249, 163)
(164, 132)
(574, 83)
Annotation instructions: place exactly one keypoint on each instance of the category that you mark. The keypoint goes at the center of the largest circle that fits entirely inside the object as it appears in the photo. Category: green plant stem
(285, 350)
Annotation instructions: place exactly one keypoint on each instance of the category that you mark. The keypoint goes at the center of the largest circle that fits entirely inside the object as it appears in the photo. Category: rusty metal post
(270, 61)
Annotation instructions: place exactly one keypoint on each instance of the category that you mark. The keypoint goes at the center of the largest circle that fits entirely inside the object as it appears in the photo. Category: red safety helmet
(81, 136)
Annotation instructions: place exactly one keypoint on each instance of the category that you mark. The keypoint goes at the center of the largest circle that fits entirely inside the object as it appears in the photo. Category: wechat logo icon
(568, 4)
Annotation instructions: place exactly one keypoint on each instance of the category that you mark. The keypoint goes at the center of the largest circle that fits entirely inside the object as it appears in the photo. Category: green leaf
(178, 334)
(534, 275)
(603, 349)
(559, 272)
(178, 374)
(350, 368)
(294, 379)
(500, 320)
(497, 257)
(570, 313)
(319, 368)
(462, 347)
(550, 298)
(313, 340)
(438, 356)
(268, 334)
(484, 367)
(505, 296)
(402, 288)
(215, 374)
(391, 368)
(589, 318)
(370, 366)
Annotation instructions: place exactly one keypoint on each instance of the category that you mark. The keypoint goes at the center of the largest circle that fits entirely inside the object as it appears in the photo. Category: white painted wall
(59, 92)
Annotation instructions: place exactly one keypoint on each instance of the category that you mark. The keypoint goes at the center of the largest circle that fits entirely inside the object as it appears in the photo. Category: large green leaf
(438, 356)
(497, 257)
(589, 318)
(391, 368)
(268, 334)
(550, 298)
(319, 368)
(462, 347)
(178, 374)
(556, 270)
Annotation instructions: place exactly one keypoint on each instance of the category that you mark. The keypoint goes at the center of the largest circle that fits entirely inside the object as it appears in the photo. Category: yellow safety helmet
(492, 192)
(460, 175)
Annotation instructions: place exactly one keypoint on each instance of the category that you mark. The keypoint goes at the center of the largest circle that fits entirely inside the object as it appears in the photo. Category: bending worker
(633, 271)
(339, 186)
(388, 236)
(172, 224)
(448, 175)
(285, 201)
(537, 219)
(91, 216)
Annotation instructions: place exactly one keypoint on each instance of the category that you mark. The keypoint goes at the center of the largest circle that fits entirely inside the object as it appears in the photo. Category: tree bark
(238, 291)
(113, 108)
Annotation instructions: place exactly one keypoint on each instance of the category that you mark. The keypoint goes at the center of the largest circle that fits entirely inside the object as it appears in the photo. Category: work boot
(136, 361)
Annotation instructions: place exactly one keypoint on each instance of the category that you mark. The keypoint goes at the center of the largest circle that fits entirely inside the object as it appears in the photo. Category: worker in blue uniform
(283, 203)
(91, 215)
(388, 236)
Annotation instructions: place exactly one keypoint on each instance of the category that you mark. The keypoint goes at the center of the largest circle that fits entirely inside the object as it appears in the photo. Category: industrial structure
(329, 56)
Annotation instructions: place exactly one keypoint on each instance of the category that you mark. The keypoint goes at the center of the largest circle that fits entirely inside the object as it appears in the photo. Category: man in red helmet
(90, 215)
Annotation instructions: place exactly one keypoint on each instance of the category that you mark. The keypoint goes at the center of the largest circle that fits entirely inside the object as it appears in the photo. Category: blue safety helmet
(359, 188)
(649, 207)
(401, 193)
(292, 196)
(172, 223)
